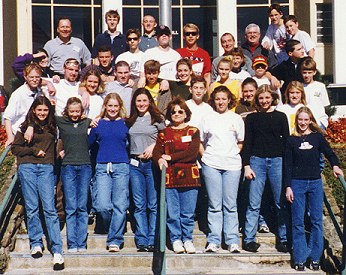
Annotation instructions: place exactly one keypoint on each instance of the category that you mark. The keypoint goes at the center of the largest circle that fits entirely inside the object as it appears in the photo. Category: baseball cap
(162, 29)
(259, 59)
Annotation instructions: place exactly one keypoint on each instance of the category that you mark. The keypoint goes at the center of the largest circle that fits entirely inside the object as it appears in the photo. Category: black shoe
(282, 247)
(315, 266)
(299, 267)
(251, 246)
(142, 248)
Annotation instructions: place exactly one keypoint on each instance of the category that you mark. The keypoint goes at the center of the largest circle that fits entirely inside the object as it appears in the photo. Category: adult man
(111, 37)
(121, 84)
(201, 64)
(252, 46)
(227, 43)
(148, 40)
(163, 53)
(134, 56)
(105, 58)
(64, 46)
(68, 86)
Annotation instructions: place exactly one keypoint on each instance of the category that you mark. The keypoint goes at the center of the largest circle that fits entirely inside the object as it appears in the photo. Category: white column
(226, 19)
(24, 26)
(1, 44)
(112, 5)
(339, 35)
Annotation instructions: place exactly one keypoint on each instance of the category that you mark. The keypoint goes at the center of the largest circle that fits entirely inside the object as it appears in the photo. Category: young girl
(75, 172)
(184, 74)
(265, 135)
(245, 107)
(294, 98)
(94, 86)
(224, 68)
(145, 122)
(237, 73)
(36, 173)
(111, 185)
(304, 188)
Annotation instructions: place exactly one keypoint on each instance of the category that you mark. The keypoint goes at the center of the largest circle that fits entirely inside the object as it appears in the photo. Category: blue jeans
(222, 187)
(38, 185)
(308, 192)
(145, 199)
(263, 168)
(76, 181)
(112, 197)
(181, 204)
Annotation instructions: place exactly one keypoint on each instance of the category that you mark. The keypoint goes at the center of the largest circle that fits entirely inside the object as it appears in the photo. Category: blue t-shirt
(112, 137)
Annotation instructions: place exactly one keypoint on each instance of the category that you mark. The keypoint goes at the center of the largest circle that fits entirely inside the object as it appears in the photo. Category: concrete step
(98, 242)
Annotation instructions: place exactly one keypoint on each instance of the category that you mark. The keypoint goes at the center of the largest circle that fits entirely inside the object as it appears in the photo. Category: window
(324, 23)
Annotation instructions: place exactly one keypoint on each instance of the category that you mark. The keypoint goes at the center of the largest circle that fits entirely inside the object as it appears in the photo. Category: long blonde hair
(298, 86)
(313, 126)
(122, 111)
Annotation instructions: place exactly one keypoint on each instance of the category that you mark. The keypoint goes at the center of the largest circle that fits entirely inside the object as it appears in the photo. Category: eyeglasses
(180, 112)
(190, 33)
(132, 38)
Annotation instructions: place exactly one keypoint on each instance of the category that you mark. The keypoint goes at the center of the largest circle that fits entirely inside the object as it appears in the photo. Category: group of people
(107, 121)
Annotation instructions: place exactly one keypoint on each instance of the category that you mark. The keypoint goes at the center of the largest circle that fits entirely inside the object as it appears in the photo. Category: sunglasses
(132, 38)
(190, 33)
(72, 62)
(180, 112)
(260, 66)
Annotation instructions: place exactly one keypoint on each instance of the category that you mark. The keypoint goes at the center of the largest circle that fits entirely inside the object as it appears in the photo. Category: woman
(266, 132)
(145, 122)
(223, 134)
(36, 173)
(304, 188)
(111, 185)
(184, 74)
(177, 148)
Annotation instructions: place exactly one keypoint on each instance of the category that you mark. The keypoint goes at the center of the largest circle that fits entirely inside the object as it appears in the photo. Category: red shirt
(201, 63)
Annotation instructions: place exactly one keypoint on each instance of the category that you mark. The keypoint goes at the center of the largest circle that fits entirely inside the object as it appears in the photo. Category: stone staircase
(97, 260)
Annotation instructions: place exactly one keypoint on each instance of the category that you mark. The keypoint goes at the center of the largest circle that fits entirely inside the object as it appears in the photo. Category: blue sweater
(302, 157)
(112, 137)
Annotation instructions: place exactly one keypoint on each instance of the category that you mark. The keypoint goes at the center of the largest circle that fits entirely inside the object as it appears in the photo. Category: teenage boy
(288, 70)
(148, 40)
(134, 56)
(201, 64)
(292, 28)
(105, 58)
(111, 37)
(315, 92)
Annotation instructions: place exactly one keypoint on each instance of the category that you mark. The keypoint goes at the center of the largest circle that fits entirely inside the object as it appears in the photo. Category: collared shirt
(19, 105)
(58, 52)
(147, 42)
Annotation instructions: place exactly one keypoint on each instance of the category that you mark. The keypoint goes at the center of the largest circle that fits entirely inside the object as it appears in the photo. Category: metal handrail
(13, 182)
(163, 218)
(341, 232)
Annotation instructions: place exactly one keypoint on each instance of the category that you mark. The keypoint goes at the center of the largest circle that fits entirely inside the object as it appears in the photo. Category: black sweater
(302, 161)
(265, 135)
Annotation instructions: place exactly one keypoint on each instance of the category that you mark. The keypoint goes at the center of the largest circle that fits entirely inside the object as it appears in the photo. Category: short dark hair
(290, 17)
(247, 81)
(121, 64)
(64, 18)
(135, 31)
(197, 79)
(104, 48)
(308, 64)
(152, 66)
(112, 13)
(275, 6)
(290, 44)
(181, 103)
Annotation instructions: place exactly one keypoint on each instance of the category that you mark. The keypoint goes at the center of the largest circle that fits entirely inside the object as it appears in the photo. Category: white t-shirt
(306, 41)
(198, 112)
(133, 59)
(168, 60)
(290, 112)
(95, 106)
(220, 134)
(317, 98)
(239, 76)
(64, 90)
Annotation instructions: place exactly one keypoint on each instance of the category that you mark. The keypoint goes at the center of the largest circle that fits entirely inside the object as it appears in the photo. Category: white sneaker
(113, 248)
(263, 228)
(234, 248)
(82, 249)
(58, 262)
(212, 248)
(36, 252)
(72, 250)
(178, 247)
(189, 247)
